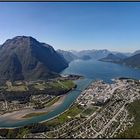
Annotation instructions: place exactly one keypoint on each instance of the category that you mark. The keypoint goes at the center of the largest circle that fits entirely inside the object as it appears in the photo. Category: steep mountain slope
(69, 56)
(133, 61)
(25, 58)
(124, 54)
(94, 54)
(111, 58)
(120, 55)
(136, 52)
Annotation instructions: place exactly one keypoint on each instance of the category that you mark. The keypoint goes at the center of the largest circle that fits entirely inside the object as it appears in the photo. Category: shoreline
(28, 111)
(66, 109)
(51, 108)
(57, 104)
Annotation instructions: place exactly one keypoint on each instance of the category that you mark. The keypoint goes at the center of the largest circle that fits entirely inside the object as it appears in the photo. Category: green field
(55, 85)
(88, 111)
(40, 86)
(66, 85)
(71, 113)
(10, 87)
(134, 131)
(17, 88)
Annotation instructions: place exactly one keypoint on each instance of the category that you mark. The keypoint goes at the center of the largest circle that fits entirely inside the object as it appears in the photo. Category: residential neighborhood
(110, 117)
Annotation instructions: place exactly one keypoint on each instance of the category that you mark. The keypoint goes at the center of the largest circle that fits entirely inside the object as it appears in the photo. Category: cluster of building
(108, 120)
(42, 98)
(6, 106)
(97, 93)
(9, 106)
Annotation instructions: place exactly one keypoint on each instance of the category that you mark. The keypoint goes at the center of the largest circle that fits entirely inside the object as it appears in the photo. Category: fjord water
(98, 70)
(92, 70)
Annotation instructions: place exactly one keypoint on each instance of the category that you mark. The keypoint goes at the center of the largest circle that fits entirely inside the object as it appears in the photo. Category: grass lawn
(67, 84)
(17, 88)
(58, 85)
(71, 113)
(55, 85)
(10, 87)
(89, 111)
(40, 86)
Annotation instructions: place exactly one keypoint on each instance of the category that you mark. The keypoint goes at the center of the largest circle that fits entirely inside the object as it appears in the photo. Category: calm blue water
(92, 70)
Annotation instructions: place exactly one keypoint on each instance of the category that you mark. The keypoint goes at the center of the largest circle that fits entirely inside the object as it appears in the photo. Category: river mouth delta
(100, 75)
(23, 101)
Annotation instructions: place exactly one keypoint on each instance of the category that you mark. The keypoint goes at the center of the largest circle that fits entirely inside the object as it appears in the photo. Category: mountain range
(25, 58)
(136, 52)
(129, 59)
(94, 54)
(84, 54)
(133, 60)
(111, 58)
(90, 54)
(69, 56)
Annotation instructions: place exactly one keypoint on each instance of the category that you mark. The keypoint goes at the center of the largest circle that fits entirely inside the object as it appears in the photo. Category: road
(119, 124)
(112, 91)
(107, 125)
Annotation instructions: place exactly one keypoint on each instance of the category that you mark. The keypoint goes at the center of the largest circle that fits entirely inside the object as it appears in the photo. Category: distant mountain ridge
(136, 52)
(92, 54)
(129, 59)
(84, 55)
(24, 58)
(69, 56)
(133, 61)
(111, 58)
(114, 57)
(121, 55)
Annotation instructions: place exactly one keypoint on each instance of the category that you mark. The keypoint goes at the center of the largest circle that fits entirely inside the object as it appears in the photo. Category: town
(104, 111)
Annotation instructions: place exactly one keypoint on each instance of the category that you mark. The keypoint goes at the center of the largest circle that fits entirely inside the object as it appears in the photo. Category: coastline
(66, 109)
(14, 116)
(54, 106)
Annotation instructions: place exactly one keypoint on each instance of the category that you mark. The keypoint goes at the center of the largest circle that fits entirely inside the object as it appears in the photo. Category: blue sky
(74, 25)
